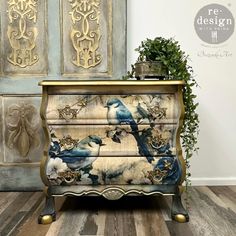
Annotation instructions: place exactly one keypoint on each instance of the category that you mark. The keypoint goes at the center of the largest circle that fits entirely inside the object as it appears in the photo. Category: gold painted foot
(180, 218)
(47, 219)
(48, 214)
(178, 212)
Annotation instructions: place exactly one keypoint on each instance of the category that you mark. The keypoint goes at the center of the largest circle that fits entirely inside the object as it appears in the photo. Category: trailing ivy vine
(168, 51)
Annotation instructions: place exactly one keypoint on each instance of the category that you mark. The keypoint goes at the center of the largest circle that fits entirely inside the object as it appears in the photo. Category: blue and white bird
(83, 154)
(118, 113)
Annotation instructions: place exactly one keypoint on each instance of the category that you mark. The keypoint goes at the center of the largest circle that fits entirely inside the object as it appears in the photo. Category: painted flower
(55, 166)
(84, 179)
(117, 134)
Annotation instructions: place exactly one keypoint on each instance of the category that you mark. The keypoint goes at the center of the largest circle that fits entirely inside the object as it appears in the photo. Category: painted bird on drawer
(118, 113)
(83, 154)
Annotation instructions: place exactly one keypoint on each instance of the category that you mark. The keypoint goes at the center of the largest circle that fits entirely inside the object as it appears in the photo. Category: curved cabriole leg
(178, 212)
(48, 214)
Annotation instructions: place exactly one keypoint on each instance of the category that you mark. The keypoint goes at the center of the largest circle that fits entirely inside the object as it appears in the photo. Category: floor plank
(100, 220)
(31, 224)
(212, 213)
(6, 198)
(9, 212)
(208, 215)
(233, 187)
(177, 229)
(118, 224)
(149, 219)
(227, 195)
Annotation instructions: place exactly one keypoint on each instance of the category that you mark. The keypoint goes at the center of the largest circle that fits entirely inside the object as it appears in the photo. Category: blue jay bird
(83, 154)
(118, 113)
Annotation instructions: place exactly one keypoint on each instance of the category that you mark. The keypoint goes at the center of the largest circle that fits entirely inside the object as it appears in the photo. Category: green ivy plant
(168, 52)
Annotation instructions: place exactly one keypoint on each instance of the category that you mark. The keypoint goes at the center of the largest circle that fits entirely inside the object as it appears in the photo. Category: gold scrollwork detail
(22, 33)
(85, 34)
(67, 113)
(69, 176)
(23, 126)
(156, 176)
(67, 142)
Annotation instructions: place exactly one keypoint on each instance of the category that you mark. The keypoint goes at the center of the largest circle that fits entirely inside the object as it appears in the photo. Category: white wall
(215, 163)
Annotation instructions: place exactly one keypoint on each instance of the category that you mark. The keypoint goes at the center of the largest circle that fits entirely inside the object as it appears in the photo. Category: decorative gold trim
(181, 189)
(33, 70)
(22, 33)
(178, 142)
(85, 38)
(44, 159)
(46, 191)
(113, 193)
(67, 113)
(111, 83)
(68, 142)
(109, 57)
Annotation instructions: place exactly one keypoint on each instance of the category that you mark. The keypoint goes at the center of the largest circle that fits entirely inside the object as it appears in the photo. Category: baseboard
(213, 181)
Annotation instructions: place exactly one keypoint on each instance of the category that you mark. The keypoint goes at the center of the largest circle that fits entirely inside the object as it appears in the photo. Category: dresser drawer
(103, 109)
(115, 171)
(116, 140)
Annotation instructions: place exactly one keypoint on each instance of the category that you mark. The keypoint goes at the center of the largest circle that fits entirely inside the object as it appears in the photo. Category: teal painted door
(49, 40)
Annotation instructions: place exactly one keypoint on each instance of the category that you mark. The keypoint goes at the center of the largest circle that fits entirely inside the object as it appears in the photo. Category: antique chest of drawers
(112, 138)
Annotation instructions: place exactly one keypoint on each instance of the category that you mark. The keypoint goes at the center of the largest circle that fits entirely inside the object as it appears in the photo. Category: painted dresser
(112, 138)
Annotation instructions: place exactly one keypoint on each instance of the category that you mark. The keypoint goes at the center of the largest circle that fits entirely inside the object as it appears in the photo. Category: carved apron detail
(22, 127)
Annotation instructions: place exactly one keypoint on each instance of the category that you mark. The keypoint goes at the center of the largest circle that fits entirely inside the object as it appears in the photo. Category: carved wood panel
(24, 37)
(23, 136)
(87, 37)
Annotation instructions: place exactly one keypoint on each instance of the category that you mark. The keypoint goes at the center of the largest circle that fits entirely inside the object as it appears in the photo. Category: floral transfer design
(165, 172)
(75, 161)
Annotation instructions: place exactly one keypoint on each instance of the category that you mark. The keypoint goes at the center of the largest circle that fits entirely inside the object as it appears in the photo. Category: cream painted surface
(215, 163)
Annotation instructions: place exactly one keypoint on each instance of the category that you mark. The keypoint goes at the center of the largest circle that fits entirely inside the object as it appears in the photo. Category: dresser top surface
(110, 83)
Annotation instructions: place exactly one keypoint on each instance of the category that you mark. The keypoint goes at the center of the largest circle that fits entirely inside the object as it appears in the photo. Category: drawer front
(113, 109)
(121, 140)
(98, 154)
(116, 171)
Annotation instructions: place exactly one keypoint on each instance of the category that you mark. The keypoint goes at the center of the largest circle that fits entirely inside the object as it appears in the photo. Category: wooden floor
(212, 212)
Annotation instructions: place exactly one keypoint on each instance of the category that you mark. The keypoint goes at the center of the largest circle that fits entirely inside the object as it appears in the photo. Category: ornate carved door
(49, 39)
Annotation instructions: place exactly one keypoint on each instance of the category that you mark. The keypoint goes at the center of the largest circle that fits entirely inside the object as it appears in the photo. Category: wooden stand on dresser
(112, 139)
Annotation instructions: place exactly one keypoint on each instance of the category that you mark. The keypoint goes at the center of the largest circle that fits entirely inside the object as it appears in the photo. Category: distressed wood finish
(211, 213)
(24, 42)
